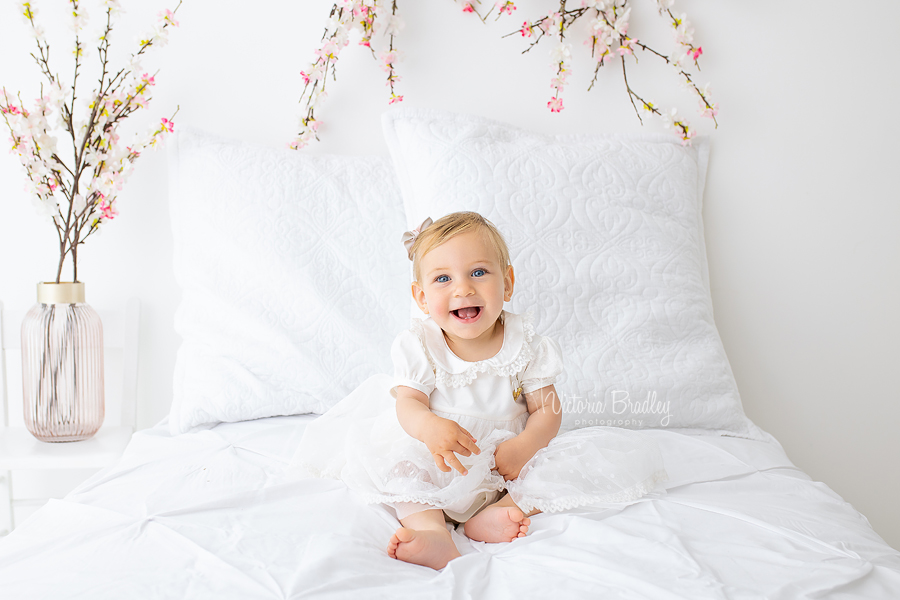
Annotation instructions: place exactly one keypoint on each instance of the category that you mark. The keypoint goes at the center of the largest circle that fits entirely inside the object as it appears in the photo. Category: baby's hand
(511, 455)
(445, 438)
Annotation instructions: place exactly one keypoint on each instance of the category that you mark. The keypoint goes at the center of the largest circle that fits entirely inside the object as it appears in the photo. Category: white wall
(800, 207)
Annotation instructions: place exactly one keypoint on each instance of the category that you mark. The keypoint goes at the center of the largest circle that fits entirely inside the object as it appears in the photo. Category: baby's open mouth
(468, 313)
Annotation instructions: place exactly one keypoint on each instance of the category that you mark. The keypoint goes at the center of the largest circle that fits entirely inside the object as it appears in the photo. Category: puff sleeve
(545, 365)
(411, 365)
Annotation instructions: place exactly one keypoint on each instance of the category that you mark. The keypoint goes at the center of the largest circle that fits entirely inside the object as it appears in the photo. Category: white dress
(360, 440)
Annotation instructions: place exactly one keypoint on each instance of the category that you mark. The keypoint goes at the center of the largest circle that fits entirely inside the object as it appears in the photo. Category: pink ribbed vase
(62, 365)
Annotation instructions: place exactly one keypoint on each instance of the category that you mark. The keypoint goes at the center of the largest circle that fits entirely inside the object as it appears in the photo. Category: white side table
(31, 471)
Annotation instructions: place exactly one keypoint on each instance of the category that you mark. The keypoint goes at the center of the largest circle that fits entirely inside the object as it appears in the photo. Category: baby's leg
(502, 521)
(423, 540)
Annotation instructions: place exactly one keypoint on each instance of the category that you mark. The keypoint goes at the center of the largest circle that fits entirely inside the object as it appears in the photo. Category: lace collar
(452, 371)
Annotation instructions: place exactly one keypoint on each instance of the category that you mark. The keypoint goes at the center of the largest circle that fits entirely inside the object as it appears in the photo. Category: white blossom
(318, 98)
(394, 25)
(668, 117)
(561, 53)
(79, 19)
(114, 7)
(621, 24)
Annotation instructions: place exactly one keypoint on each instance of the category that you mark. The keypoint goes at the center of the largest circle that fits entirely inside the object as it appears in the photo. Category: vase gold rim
(49, 292)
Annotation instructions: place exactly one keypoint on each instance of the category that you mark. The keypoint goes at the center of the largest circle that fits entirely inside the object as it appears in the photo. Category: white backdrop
(800, 207)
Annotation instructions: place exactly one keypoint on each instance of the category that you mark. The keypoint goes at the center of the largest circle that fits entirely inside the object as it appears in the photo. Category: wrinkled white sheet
(209, 515)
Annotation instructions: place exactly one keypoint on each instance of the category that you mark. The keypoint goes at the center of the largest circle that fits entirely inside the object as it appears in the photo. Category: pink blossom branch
(392, 74)
(44, 61)
(685, 131)
(366, 15)
(99, 165)
(610, 35)
(609, 39)
(688, 79)
(469, 7)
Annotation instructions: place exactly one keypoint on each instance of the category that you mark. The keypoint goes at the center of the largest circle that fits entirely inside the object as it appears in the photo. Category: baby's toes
(523, 527)
(392, 546)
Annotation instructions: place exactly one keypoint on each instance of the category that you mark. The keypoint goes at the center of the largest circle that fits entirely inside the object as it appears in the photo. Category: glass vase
(62, 365)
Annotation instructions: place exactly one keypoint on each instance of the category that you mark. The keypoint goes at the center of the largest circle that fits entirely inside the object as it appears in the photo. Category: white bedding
(208, 514)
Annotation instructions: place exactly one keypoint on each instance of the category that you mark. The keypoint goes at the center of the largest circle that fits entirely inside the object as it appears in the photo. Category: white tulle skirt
(360, 442)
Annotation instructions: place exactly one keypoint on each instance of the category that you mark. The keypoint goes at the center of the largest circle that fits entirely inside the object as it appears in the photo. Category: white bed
(208, 514)
(294, 285)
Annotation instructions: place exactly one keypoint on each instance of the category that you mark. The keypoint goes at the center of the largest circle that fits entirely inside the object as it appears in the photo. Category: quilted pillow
(606, 237)
(292, 277)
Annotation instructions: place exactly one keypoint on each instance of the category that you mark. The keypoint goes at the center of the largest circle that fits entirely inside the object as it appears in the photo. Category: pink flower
(555, 104)
(545, 24)
(395, 98)
(505, 7)
(168, 16)
(109, 211)
(526, 31)
(695, 54)
(627, 47)
(468, 8)
(168, 125)
(328, 50)
(388, 58)
(599, 49)
(709, 111)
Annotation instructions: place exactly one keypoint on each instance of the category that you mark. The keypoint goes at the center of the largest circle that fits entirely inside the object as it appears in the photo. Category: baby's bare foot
(497, 524)
(427, 547)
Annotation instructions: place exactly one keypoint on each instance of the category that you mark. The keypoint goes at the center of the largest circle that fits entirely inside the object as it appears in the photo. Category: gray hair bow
(409, 237)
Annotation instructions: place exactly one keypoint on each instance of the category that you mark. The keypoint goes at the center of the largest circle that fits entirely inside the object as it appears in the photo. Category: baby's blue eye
(479, 273)
(442, 279)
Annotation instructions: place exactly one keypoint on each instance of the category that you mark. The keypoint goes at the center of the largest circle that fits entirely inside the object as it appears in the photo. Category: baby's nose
(464, 288)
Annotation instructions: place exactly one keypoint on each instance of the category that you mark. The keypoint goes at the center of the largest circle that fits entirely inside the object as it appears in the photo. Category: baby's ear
(418, 295)
(509, 283)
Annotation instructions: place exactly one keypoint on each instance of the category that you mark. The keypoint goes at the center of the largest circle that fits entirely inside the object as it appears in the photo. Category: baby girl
(466, 430)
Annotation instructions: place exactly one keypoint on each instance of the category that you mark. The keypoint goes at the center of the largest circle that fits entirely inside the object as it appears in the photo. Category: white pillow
(295, 281)
(606, 238)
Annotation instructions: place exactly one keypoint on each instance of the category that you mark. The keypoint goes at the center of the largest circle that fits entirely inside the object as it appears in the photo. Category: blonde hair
(452, 225)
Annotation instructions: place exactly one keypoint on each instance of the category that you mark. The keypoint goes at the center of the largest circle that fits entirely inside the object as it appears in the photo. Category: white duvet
(209, 515)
